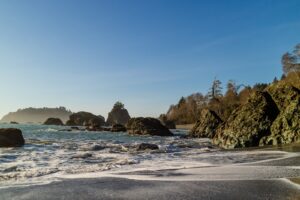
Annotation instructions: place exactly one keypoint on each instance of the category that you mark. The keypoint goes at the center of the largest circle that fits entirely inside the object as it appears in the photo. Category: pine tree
(215, 90)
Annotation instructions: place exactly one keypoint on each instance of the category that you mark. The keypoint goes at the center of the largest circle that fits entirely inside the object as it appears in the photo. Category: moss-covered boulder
(249, 123)
(286, 128)
(147, 126)
(283, 94)
(53, 121)
(207, 124)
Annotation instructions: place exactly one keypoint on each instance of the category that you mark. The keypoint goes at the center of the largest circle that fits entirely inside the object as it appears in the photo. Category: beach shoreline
(269, 179)
(121, 188)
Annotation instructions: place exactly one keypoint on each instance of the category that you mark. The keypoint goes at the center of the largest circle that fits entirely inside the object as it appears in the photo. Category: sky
(88, 54)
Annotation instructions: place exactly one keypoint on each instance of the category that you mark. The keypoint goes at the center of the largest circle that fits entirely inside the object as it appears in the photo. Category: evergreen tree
(215, 90)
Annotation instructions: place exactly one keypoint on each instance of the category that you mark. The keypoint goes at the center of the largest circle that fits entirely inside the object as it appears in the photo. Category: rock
(207, 124)
(283, 94)
(145, 146)
(97, 147)
(286, 128)
(118, 128)
(168, 123)
(11, 137)
(147, 126)
(249, 123)
(12, 122)
(85, 119)
(118, 115)
(54, 121)
(82, 156)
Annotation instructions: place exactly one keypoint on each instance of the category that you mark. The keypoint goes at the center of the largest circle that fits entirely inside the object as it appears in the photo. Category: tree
(215, 90)
(260, 86)
(181, 102)
(275, 80)
(118, 105)
(291, 61)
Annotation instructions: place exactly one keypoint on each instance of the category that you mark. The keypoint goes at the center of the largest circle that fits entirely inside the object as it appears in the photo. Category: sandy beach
(117, 188)
(270, 179)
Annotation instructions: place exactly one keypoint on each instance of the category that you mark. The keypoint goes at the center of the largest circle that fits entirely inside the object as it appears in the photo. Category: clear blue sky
(86, 55)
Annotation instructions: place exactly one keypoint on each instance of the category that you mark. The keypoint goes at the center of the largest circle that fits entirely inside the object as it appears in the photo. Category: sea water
(51, 152)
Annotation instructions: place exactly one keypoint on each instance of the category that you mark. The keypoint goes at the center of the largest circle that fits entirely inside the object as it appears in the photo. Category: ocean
(52, 153)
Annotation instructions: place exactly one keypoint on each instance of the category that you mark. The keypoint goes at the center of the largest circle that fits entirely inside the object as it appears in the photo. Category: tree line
(187, 110)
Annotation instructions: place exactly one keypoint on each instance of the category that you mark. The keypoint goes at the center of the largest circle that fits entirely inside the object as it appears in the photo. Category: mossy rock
(249, 123)
(207, 124)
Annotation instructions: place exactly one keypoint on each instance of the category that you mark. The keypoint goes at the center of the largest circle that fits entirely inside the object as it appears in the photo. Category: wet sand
(116, 188)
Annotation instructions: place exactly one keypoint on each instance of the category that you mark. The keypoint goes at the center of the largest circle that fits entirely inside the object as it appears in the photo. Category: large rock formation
(85, 119)
(249, 123)
(283, 94)
(11, 137)
(207, 125)
(53, 121)
(147, 126)
(118, 115)
(286, 128)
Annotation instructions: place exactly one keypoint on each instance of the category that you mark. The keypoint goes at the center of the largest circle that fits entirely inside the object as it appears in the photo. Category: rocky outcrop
(118, 115)
(207, 125)
(147, 126)
(286, 128)
(11, 137)
(283, 94)
(85, 119)
(118, 128)
(54, 121)
(249, 123)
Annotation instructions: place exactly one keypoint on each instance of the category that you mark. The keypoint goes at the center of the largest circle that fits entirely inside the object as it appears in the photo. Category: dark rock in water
(82, 156)
(249, 123)
(147, 126)
(97, 147)
(118, 128)
(207, 125)
(11, 137)
(75, 128)
(54, 121)
(106, 128)
(85, 119)
(118, 115)
(12, 122)
(286, 128)
(145, 146)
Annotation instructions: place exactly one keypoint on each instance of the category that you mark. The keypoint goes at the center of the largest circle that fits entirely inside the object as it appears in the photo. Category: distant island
(37, 115)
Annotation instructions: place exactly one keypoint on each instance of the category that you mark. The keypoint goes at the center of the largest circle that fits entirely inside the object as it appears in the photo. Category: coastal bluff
(37, 115)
